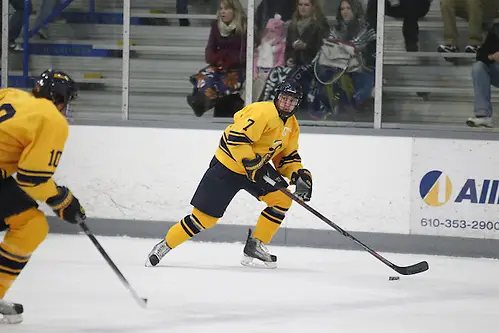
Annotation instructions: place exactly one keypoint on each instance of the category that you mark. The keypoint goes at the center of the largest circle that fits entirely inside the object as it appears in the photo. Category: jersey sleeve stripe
(283, 163)
(223, 146)
(233, 140)
(35, 173)
(291, 158)
(239, 134)
(31, 180)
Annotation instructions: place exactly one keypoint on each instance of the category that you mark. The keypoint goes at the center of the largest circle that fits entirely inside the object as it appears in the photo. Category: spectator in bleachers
(269, 54)
(219, 84)
(306, 31)
(46, 8)
(478, 13)
(181, 8)
(410, 11)
(485, 72)
(303, 40)
(16, 23)
(344, 68)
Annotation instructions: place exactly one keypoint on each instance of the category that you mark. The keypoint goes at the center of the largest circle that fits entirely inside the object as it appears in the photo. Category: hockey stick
(141, 301)
(404, 270)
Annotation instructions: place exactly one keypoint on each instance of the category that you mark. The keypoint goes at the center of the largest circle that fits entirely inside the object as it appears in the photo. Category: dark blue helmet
(289, 88)
(57, 87)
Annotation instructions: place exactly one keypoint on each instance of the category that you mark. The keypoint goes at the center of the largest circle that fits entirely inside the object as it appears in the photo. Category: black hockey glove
(303, 181)
(66, 206)
(256, 170)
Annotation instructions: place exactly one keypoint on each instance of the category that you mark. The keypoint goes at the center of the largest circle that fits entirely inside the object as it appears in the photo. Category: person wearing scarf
(304, 38)
(218, 84)
(351, 27)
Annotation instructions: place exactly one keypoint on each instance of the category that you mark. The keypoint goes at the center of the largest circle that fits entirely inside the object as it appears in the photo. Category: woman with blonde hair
(219, 84)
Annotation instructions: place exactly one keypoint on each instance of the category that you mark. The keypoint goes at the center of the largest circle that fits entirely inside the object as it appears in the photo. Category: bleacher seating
(163, 57)
(450, 89)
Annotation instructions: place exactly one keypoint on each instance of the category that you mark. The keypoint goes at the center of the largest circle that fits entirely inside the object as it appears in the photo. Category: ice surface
(200, 287)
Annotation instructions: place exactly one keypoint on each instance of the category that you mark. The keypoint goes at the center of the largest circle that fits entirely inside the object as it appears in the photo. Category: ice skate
(157, 253)
(255, 254)
(11, 313)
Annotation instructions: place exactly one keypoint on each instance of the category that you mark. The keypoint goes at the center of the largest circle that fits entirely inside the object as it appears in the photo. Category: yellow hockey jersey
(258, 129)
(32, 138)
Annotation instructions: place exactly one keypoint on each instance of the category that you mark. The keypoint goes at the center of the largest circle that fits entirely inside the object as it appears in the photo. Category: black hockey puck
(393, 278)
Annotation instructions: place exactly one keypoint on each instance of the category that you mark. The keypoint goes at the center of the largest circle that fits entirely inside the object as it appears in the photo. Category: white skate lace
(260, 247)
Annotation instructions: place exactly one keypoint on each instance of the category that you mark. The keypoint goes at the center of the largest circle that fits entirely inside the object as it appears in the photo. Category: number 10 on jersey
(55, 157)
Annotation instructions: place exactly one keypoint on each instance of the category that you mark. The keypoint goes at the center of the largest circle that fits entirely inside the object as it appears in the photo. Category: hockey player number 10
(9, 112)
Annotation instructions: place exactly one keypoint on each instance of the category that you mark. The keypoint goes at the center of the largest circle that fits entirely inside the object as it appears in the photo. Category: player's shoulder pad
(50, 114)
(258, 111)
(265, 109)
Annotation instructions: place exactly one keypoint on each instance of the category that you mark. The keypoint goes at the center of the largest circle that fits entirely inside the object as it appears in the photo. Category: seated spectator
(477, 12)
(269, 54)
(410, 11)
(304, 38)
(225, 54)
(345, 64)
(16, 23)
(46, 8)
(485, 72)
(306, 31)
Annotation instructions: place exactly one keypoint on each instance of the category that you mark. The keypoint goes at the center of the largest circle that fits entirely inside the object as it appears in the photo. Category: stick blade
(413, 269)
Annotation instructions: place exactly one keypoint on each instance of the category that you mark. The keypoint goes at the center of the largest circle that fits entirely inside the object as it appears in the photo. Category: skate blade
(11, 319)
(148, 263)
(257, 263)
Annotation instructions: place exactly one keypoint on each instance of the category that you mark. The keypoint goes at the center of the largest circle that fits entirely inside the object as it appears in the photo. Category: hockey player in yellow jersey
(261, 133)
(33, 132)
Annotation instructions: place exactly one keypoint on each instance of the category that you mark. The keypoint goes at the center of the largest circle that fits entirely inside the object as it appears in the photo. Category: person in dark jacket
(485, 73)
(333, 88)
(411, 11)
(305, 34)
(225, 53)
(304, 39)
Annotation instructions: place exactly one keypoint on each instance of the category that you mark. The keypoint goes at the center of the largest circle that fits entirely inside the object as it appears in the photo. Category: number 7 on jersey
(251, 122)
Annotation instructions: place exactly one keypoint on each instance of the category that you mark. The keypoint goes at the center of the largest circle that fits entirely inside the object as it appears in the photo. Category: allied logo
(435, 188)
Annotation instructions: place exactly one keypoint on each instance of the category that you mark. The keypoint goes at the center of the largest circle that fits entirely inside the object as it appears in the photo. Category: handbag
(337, 54)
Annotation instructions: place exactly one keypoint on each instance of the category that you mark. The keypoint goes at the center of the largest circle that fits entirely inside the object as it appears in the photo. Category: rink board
(402, 194)
(382, 242)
